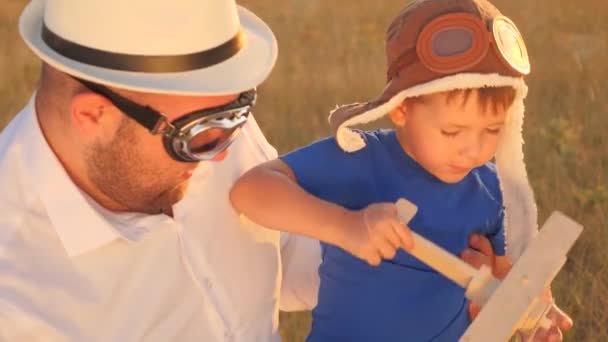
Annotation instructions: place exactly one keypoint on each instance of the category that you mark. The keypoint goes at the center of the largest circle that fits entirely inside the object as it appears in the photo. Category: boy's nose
(471, 150)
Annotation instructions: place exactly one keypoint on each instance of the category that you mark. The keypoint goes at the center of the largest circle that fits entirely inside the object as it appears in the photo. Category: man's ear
(93, 115)
(398, 114)
(86, 111)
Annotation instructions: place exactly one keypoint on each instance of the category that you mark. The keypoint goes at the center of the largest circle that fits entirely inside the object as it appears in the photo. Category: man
(112, 229)
(116, 224)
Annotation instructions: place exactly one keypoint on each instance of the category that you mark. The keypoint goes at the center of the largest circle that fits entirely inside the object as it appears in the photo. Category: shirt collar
(81, 227)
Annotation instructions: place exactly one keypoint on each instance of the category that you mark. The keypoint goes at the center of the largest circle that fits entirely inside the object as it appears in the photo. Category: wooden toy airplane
(513, 304)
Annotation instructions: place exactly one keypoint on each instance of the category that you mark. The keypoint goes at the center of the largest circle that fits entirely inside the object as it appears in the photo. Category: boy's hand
(375, 233)
(481, 253)
(561, 322)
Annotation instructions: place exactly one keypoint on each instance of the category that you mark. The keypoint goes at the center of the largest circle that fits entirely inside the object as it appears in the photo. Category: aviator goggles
(456, 42)
(196, 136)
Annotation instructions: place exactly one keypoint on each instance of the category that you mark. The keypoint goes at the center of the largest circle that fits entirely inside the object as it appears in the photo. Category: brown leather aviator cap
(431, 39)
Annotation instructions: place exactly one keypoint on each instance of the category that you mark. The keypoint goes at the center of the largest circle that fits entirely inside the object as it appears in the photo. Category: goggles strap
(151, 119)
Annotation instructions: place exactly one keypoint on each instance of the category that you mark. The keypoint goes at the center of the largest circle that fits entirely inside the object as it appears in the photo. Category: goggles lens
(452, 41)
(203, 136)
(210, 142)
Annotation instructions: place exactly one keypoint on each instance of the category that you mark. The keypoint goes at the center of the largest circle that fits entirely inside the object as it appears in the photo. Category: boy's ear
(398, 115)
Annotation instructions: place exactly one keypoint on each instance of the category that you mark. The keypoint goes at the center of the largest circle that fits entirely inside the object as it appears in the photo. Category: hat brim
(245, 70)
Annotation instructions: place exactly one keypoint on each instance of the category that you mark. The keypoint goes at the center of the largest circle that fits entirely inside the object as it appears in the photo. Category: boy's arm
(270, 195)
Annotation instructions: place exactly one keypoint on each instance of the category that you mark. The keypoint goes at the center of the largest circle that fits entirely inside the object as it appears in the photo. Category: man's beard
(120, 173)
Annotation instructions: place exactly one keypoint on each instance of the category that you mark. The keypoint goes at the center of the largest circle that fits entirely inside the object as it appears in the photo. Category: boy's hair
(496, 97)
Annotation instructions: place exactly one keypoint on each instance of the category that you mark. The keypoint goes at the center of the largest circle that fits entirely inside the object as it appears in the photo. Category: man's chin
(166, 200)
(179, 191)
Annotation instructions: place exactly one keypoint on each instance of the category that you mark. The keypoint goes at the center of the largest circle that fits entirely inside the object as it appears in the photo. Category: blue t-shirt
(402, 299)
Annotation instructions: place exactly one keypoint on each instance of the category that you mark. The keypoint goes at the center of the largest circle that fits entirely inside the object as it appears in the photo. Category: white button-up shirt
(71, 270)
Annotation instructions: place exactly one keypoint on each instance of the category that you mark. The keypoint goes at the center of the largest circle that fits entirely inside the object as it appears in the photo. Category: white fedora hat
(189, 47)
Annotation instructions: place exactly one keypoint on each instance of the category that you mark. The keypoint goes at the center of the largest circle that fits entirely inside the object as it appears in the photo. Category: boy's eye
(450, 134)
(494, 131)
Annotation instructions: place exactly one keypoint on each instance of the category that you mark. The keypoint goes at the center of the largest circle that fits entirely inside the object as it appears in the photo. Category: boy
(455, 98)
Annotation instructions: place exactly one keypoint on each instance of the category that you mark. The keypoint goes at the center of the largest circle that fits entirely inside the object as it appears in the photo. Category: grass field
(331, 52)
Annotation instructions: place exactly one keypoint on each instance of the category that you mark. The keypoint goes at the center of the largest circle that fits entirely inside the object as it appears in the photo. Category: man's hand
(375, 233)
(481, 253)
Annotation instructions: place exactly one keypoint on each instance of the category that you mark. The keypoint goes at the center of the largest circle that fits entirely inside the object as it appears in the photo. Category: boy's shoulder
(378, 136)
(376, 139)
(330, 145)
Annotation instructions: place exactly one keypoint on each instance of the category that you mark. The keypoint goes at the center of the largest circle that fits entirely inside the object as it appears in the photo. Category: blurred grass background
(331, 52)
